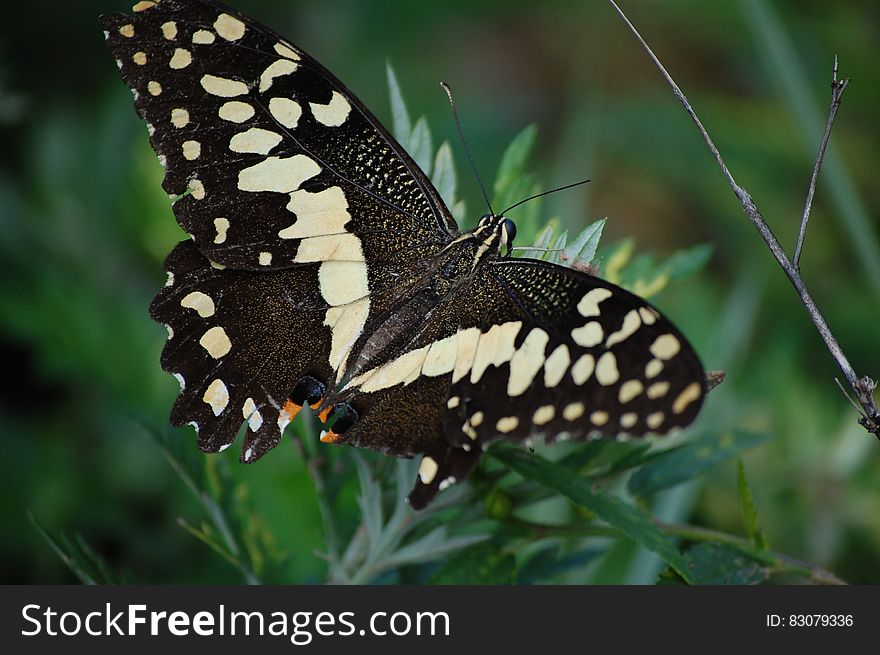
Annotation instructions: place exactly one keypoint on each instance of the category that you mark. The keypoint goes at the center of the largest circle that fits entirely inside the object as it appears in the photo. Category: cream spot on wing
(169, 280)
(583, 368)
(507, 424)
(654, 420)
(236, 111)
(346, 324)
(222, 86)
(658, 390)
(265, 258)
(127, 31)
(441, 357)
(203, 37)
(665, 347)
(334, 113)
(217, 266)
(467, 349)
(181, 59)
(495, 348)
(252, 415)
(691, 393)
(477, 419)
(222, 227)
(192, 149)
(202, 303)
(285, 111)
(556, 366)
(144, 4)
(284, 418)
(649, 316)
(445, 484)
(403, 370)
(256, 141)
(180, 380)
(197, 189)
(140, 58)
(453, 402)
(629, 390)
(543, 415)
(653, 368)
(179, 117)
(280, 174)
(170, 331)
(589, 304)
(628, 420)
(154, 88)
(228, 27)
(286, 51)
(428, 469)
(216, 342)
(631, 323)
(343, 282)
(526, 362)
(217, 396)
(588, 335)
(573, 411)
(169, 30)
(599, 418)
(317, 214)
(277, 68)
(606, 369)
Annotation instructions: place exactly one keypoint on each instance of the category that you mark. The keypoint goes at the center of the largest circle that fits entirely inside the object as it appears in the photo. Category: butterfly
(325, 272)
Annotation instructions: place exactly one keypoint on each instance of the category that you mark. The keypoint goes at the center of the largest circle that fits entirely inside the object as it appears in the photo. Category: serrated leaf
(583, 248)
(610, 509)
(419, 145)
(443, 176)
(481, 564)
(722, 564)
(555, 254)
(749, 511)
(678, 465)
(400, 122)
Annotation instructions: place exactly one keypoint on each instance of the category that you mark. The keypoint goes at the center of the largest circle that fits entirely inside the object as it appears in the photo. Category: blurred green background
(84, 227)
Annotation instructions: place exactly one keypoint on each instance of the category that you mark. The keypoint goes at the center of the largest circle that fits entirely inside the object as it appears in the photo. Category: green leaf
(400, 123)
(687, 261)
(443, 176)
(678, 465)
(610, 509)
(749, 511)
(77, 555)
(370, 502)
(583, 249)
(721, 564)
(511, 171)
(419, 145)
(482, 564)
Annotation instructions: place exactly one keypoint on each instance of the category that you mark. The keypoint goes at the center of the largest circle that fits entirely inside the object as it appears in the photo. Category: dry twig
(863, 387)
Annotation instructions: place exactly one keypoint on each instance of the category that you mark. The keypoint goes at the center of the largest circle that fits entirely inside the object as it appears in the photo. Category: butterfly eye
(509, 228)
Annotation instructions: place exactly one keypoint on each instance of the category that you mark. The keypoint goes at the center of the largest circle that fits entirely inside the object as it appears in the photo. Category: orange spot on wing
(324, 414)
(330, 437)
(292, 409)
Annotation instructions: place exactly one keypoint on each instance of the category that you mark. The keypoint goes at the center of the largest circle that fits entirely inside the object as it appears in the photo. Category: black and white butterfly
(325, 270)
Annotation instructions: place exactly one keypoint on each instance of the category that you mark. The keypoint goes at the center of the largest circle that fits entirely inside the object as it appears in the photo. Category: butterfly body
(324, 271)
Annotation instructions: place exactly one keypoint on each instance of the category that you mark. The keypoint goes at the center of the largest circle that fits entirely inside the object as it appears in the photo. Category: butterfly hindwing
(238, 343)
(577, 357)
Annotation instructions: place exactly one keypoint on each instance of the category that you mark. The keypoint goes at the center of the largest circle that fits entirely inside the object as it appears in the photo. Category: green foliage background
(84, 227)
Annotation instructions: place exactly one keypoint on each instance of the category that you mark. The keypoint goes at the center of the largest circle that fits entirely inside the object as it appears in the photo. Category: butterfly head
(495, 232)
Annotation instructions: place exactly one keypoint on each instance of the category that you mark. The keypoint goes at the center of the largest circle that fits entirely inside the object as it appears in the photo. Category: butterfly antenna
(466, 149)
(543, 193)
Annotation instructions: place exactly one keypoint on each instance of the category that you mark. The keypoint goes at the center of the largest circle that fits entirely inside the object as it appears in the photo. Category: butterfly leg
(441, 467)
